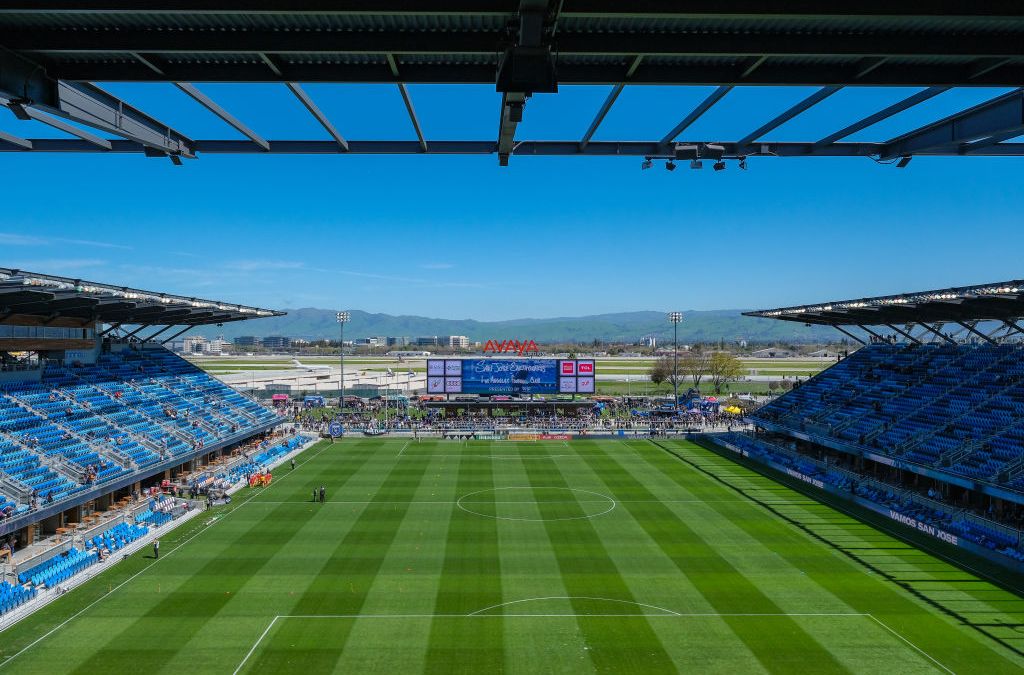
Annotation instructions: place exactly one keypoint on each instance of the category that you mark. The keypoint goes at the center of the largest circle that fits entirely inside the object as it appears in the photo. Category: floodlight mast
(674, 318)
(343, 318)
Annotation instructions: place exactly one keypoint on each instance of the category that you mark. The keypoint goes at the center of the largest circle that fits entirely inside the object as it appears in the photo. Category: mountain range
(697, 326)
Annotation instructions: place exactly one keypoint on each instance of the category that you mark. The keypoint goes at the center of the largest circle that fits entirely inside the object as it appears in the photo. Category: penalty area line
(915, 647)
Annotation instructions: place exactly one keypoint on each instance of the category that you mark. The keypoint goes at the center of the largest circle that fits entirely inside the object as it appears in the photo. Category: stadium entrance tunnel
(536, 504)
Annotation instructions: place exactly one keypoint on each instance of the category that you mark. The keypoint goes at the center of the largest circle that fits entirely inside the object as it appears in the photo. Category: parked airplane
(311, 368)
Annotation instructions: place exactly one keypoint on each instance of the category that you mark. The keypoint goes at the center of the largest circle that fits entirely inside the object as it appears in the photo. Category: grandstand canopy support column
(849, 334)
(150, 337)
(868, 330)
(1015, 326)
(937, 330)
(112, 327)
(977, 332)
(134, 332)
(178, 334)
(904, 334)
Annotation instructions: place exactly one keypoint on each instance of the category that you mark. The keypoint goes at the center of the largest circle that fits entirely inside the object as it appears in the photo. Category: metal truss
(51, 51)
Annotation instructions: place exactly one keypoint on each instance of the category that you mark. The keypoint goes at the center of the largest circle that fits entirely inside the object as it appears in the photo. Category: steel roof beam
(770, 73)
(16, 141)
(609, 101)
(898, 107)
(804, 105)
(731, 150)
(26, 84)
(696, 113)
(220, 112)
(997, 117)
(21, 111)
(316, 112)
(577, 8)
(994, 47)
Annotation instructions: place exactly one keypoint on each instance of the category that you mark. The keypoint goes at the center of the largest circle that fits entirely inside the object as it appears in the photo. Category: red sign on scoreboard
(568, 367)
(585, 367)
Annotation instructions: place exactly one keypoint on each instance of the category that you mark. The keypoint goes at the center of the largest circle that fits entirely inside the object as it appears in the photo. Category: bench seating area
(87, 424)
(956, 408)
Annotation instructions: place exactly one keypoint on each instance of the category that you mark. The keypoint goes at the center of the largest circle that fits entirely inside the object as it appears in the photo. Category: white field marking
(571, 597)
(145, 569)
(499, 501)
(403, 448)
(535, 520)
(669, 615)
(916, 648)
(463, 454)
(257, 643)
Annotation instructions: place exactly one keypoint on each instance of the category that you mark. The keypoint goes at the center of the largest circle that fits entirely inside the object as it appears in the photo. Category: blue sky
(459, 237)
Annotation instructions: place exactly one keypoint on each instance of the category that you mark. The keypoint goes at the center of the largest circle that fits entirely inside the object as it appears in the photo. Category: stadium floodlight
(719, 165)
(343, 318)
(670, 165)
(904, 161)
(674, 318)
(646, 164)
(696, 164)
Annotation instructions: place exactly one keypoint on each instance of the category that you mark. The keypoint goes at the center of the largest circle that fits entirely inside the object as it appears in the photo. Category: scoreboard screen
(510, 376)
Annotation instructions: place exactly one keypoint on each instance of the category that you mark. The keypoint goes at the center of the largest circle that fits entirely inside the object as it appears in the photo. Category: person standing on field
(156, 549)
(323, 491)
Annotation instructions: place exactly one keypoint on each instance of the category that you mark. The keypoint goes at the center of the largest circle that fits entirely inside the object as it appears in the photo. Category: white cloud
(261, 265)
(12, 239)
(437, 266)
(56, 266)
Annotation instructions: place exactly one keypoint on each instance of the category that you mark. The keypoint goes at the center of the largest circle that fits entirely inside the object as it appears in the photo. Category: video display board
(510, 376)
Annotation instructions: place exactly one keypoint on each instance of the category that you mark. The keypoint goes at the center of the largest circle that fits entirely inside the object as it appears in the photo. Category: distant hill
(697, 326)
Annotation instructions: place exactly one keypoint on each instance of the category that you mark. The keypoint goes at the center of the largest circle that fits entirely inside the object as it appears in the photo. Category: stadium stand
(993, 536)
(958, 408)
(95, 416)
(13, 596)
(943, 408)
(88, 424)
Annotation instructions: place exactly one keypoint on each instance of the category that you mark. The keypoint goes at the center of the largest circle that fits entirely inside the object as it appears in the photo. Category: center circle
(536, 504)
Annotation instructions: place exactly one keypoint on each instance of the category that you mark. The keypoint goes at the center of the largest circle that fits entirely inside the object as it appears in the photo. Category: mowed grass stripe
(589, 572)
(276, 587)
(407, 583)
(185, 594)
(724, 587)
(953, 647)
(341, 584)
(470, 580)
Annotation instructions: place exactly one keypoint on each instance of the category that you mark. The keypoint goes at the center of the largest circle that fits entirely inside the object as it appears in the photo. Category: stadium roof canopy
(966, 306)
(51, 51)
(45, 295)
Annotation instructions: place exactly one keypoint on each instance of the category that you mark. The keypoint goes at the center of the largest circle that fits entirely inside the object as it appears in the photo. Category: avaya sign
(510, 346)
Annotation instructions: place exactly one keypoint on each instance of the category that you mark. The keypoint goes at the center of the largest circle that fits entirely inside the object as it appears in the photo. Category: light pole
(342, 318)
(674, 318)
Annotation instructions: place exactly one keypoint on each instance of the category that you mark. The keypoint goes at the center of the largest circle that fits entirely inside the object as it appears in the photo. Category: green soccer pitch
(549, 557)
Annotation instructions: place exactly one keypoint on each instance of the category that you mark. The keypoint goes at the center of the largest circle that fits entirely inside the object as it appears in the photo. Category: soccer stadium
(190, 483)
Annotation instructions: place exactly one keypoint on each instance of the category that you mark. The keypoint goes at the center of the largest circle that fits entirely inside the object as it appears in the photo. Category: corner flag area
(551, 556)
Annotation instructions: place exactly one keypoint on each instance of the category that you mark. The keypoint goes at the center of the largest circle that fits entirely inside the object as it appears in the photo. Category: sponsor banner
(931, 530)
(555, 437)
(522, 437)
(807, 479)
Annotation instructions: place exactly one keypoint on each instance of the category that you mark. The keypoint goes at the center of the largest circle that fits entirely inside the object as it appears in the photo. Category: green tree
(723, 367)
(695, 364)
